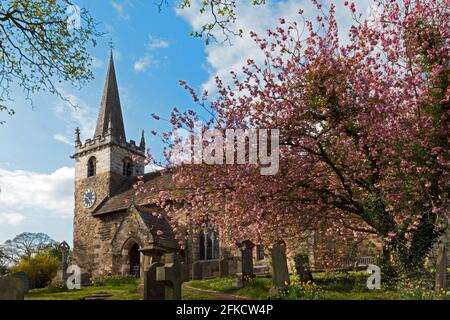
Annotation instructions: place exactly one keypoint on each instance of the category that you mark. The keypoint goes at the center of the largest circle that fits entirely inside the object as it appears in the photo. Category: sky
(153, 51)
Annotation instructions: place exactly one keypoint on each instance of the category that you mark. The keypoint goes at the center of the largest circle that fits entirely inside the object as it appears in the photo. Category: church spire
(110, 114)
(142, 144)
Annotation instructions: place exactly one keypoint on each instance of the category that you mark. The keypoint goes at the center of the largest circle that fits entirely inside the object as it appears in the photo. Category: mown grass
(258, 290)
(351, 286)
(334, 286)
(122, 292)
(121, 289)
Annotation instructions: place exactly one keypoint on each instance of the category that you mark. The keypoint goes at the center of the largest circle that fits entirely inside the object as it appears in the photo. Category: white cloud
(81, 115)
(157, 43)
(97, 63)
(149, 58)
(11, 218)
(25, 192)
(120, 9)
(223, 58)
(143, 63)
(62, 138)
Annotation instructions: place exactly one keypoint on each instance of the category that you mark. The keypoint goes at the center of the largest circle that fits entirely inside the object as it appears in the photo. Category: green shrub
(114, 281)
(57, 286)
(41, 268)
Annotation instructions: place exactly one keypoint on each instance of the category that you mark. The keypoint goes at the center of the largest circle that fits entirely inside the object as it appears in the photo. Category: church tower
(102, 165)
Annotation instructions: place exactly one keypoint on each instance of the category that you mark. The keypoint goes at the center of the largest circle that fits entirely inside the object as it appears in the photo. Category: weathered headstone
(302, 267)
(153, 289)
(237, 282)
(280, 272)
(86, 279)
(25, 279)
(173, 273)
(197, 271)
(247, 260)
(442, 263)
(61, 274)
(11, 288)
(223, 267)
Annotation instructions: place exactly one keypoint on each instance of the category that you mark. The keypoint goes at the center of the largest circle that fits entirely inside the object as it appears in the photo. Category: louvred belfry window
(127, 167)
(91, 167)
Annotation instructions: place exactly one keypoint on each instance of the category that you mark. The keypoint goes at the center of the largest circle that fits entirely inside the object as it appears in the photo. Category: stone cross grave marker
(61, 273)
(173, 273)
(153, 289)
(280, 273)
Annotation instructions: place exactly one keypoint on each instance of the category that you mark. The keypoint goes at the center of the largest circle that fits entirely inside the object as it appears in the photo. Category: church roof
(167, 238)
(110, 114)
(144, 202)
(126, 194)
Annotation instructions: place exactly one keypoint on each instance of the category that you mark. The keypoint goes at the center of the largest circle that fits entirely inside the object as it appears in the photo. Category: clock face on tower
(88, 198)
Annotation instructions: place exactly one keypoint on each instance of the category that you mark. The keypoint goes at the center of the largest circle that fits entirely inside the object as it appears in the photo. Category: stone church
(116, 230)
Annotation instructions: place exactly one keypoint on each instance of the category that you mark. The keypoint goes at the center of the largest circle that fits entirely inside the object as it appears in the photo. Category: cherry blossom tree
(364, 143)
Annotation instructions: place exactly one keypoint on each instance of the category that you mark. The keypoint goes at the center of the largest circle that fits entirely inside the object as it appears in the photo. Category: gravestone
(11, 288)
(441, 263)
(86, 279)
(197, 271)
(153, 289)
(280, 272)
(302, 267)
(25, 279)
(173, 274)
(247, 260)
(237, 282)
(61, 274)
(223, 267)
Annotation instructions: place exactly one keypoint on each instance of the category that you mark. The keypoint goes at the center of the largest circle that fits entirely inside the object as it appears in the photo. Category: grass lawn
(258, 290)
(333, 286)
(119, 292)
(336, 287)
(351, 286)
(122, 292)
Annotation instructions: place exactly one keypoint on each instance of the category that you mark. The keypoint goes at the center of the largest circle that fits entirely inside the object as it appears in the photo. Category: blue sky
(153, 50)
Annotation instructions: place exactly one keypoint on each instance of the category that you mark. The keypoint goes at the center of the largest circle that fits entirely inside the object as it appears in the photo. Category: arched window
(127, 167)
(201, 245)
(91, 167)
(259, 252)
(209, 245)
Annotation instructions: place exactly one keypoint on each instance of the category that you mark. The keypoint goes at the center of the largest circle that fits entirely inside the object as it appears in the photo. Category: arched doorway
(134, 260)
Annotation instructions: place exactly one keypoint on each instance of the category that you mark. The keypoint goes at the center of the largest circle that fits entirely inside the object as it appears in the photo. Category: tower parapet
(109, 151)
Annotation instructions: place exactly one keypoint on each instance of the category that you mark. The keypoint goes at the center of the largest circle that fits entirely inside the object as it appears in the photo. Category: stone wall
(118, 154)
(92, 236)
(86, 228)
(102, 156)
